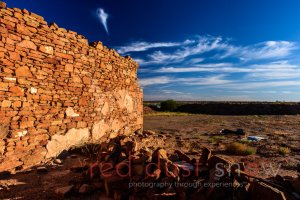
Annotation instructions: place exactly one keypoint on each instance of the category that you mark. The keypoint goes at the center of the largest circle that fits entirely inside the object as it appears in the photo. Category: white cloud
(264, 50)
(277, 70)
(144, 46)
(160, 80)
(171, 92)
(154, 81)
(229, 68)
(205, 81)
(194, 47)
(102, 15)
(201, 45)
(242, 85)
(210, 67)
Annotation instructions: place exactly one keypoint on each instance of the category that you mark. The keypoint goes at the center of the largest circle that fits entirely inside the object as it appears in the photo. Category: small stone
(296, 184)
(64, 191)
(58, 161)
(154, 176)
(262, 191)
(131, 147)
(85, 188)
(205, 156)
(2, 4)
(182, 156)
(46, 49)
(159, 154)
(71, 113)
(138, 169)
(33, 90)
(74, 156)
(22, 133)
(217, 160)
(42, 170)
(149, 132)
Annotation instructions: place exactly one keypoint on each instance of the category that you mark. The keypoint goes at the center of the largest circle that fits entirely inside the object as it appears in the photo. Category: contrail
(102, 15)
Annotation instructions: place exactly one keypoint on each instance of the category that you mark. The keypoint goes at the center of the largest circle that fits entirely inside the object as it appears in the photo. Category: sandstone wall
(57, 91)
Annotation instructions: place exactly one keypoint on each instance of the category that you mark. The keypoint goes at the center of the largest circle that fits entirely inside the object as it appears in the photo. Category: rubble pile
(127, 170)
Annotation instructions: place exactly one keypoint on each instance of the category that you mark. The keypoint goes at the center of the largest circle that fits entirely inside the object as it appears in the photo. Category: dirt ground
(191, 133)
(187, 133)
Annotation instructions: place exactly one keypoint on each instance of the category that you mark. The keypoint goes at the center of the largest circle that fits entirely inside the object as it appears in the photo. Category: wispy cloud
(199, 46)
(210, 67)
(273, 70)
(103, 16)
(155, 81)
(242, 85)
(218, 66)
(264, 50)
(208, 80)
(144, 46)
(222, 48)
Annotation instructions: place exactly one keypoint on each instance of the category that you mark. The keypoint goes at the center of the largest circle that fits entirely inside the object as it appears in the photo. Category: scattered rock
(58, 161)
(159, 154)
(74, 156)
(205, 156)
(182, 156)
(149, 132)
(296, 184)
(42, 170)
(217, 160)
(131, 147)
(64, 191)
(262, 191)
(2, 4)
(85, 188)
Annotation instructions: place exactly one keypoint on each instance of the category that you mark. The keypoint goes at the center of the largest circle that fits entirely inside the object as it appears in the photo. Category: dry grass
(284, 151)
(239, 149)
(214, 139)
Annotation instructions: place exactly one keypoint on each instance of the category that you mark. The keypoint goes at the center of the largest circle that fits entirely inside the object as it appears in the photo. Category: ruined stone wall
(57, 91)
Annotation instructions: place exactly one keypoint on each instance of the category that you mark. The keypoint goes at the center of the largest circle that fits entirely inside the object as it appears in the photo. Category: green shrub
(240, 149)
(169, 105)
(284, 151)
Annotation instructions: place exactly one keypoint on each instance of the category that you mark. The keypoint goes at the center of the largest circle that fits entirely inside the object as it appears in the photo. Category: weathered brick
(4, 86)
(16, 91)
(27, 44)
(69, 68)
(63, 55)
(26, 124)
(17, 104)
(23, 72)
(46, 49)
(14, 56)
(6, 104)
(87, 80)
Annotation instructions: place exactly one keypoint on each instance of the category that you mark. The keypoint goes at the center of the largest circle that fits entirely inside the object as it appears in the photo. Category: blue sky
(194, 49)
